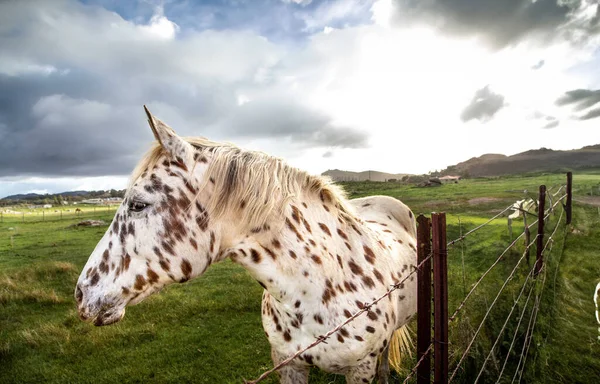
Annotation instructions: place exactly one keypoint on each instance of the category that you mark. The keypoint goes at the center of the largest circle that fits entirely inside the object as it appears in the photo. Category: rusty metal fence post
(569, 204)
(423, 299)
(539, 260)
(440, 298)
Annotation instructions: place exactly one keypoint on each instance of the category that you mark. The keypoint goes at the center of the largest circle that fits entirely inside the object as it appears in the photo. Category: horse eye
(137, 206)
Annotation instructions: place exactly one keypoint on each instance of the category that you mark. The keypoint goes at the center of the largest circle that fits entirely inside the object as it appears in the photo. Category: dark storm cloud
(591, 114)
(551, 124)
(483, 106)
(73, 79)
(499, 23)
(538, 65)
(582, 100)
(285, 118)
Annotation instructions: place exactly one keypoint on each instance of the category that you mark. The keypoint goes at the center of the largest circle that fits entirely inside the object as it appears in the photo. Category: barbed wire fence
(531, 290)
(432, 287)
(26, 215)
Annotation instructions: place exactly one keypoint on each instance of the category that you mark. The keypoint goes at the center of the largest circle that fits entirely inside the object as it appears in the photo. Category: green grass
(209, 330)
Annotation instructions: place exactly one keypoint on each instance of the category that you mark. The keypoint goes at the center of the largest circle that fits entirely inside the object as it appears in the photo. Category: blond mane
(260, 183)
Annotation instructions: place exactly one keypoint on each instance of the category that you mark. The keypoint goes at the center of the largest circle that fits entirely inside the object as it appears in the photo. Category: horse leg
(383, 371)
(362, 373)
(290, 374)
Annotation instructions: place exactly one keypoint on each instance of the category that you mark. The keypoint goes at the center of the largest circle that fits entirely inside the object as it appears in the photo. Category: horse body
(319, 257)
(320, 269)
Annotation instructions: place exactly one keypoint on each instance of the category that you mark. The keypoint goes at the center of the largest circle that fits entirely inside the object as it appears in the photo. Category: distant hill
(33, 196)
(338, 175)
(58, 198)
(537, 160)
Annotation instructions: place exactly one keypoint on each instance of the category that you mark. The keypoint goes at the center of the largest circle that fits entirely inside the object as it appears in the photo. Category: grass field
(209, 330)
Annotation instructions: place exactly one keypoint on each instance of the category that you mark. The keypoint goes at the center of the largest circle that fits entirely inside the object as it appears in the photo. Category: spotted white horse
(194, 202)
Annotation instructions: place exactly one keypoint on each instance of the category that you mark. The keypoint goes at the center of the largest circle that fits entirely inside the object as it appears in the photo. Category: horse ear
(166, 136)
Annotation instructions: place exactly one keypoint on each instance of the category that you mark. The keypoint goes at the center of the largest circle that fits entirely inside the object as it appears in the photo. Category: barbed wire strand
(534, 311)
(461, 238)
(464, 301)
(515, 334)
(488, 312)
(529, 275)
(462, 257)
(540, 293)
(414, 370)
(322, 338)
(462, 304)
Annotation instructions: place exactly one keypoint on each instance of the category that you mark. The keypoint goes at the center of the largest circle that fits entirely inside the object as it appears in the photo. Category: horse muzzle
(100, 311)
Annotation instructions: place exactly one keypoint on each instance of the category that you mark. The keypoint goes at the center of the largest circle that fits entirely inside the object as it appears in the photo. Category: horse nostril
(78, 294)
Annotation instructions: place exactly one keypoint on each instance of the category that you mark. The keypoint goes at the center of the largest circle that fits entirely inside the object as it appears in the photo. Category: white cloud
(159, 26)
(299, 2)
(42, 185)
(405, 87)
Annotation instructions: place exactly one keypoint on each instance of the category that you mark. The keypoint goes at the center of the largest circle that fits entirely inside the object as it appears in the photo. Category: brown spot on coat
(139, 282)
(368, 281)
(152, 276)
(270, 253)
(316, 259)
(369, 255)
(296, 214)
(293, 254)
(293, 228)
(287, 337)
(306, 225)
(255, 255)
(342, 234)
(186, 269)
(325, 229)
(103, 267)
(212, 241)
(95, 278)
(165, 265)
(355, 268)
(378, 275)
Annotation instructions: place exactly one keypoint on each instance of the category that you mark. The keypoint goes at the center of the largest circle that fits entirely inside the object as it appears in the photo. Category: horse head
(161, 233)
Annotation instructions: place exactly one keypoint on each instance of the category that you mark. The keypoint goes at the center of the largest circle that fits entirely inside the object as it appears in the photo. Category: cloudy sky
(394, 85)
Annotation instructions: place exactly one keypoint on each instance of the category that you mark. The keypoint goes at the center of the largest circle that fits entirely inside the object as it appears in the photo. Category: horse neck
(298, 247)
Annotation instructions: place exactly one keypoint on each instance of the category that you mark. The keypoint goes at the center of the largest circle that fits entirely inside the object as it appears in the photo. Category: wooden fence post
(423, 299)
(440, 298)
(569, 204)
(539, 260)
(527, 237)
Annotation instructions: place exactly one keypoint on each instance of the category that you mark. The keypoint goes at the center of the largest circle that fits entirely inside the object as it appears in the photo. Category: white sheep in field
(521, 207)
